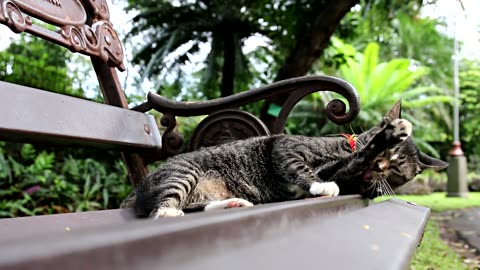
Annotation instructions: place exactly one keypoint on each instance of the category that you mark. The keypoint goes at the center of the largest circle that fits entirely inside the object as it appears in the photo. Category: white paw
(402, 128)
(168, 212)
(325, 189)
(229, 203)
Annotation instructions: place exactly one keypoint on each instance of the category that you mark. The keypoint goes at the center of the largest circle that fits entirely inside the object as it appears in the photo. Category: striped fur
(279, 168)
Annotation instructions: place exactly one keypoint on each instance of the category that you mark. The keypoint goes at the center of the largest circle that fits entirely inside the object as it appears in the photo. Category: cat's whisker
(377, 187)
(360, 145)
(390, 188)
(386, 188)
(387, 191)
(373, 191)
(372, 184)
(373, 187)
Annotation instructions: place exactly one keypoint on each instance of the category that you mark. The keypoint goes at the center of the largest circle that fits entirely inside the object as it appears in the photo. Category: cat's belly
(211, 189)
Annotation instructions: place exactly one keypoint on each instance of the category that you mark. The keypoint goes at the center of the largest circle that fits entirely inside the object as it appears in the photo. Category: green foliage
(36, 182)
(38, 179)
(37, 63)
(469, 111)
(402, 32)
(174, 32)
(380, 85)
(438, 201)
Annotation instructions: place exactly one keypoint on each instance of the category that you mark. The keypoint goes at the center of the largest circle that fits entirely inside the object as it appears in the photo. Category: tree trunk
(228, 70)
(308, 49)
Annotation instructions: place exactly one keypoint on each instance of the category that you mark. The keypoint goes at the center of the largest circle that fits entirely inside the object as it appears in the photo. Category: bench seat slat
(325, 233)
(25, 227)
(35, 115)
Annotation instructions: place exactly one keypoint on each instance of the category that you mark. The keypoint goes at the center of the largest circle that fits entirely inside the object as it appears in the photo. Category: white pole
(456, 83)
(457, 170)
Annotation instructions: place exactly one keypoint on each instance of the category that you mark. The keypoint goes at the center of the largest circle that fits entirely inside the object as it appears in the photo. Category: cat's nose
(381, 166)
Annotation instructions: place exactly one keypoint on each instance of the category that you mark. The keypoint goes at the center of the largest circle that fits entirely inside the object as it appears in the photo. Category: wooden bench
(334, 233)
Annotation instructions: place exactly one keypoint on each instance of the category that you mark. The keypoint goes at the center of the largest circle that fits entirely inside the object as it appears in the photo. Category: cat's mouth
(367, 176)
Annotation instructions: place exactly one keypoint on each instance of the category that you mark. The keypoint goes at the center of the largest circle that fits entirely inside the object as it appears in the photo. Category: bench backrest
(32, 115)
(84, 27)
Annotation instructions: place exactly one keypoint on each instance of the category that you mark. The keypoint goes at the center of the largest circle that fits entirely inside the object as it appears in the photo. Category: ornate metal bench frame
(319, 231)
(84, 27)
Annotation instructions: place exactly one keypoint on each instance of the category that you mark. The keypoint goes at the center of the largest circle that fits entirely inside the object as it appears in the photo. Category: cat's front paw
(401, 129)
(324, 189)
(166, 212)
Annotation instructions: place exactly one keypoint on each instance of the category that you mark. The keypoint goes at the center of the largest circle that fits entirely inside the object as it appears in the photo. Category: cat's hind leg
(212, 193)
(228, 203)
(166, 212)
(217, 204)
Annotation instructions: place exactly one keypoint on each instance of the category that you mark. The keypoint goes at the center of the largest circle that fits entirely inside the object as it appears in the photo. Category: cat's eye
(376, 167)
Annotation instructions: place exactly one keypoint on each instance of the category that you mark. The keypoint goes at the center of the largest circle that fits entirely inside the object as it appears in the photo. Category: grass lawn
(438, 202)
(433, 253)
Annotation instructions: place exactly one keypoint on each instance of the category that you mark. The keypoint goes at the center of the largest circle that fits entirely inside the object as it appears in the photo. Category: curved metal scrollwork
(301, 87)
(99, 9)
(172, 141)
(296, 87)
(225, 126)
(14, 18)
(98, 40)
(336, 109)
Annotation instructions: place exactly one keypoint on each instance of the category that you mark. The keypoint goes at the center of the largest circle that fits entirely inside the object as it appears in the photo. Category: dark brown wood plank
(28, 114)
(323, 233)
(311, 234)
(60, 224)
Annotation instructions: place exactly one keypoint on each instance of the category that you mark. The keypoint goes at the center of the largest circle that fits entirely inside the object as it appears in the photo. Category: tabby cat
(283, 167)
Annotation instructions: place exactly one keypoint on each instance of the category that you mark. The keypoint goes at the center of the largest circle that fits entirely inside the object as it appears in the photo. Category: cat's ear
(427, 162)
(396, 111)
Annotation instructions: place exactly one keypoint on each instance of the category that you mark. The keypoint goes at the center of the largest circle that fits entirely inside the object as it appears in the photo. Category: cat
(284, 167)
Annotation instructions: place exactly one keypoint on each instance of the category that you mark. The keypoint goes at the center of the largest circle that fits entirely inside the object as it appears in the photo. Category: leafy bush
(39, 179)
(36, 181)
(379, 84)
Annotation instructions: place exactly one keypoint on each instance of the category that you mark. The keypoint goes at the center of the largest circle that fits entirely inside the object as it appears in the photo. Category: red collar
(352, 140)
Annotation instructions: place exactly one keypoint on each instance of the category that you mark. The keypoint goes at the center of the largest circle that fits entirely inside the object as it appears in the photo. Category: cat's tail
(168, 187)
(129, 201)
